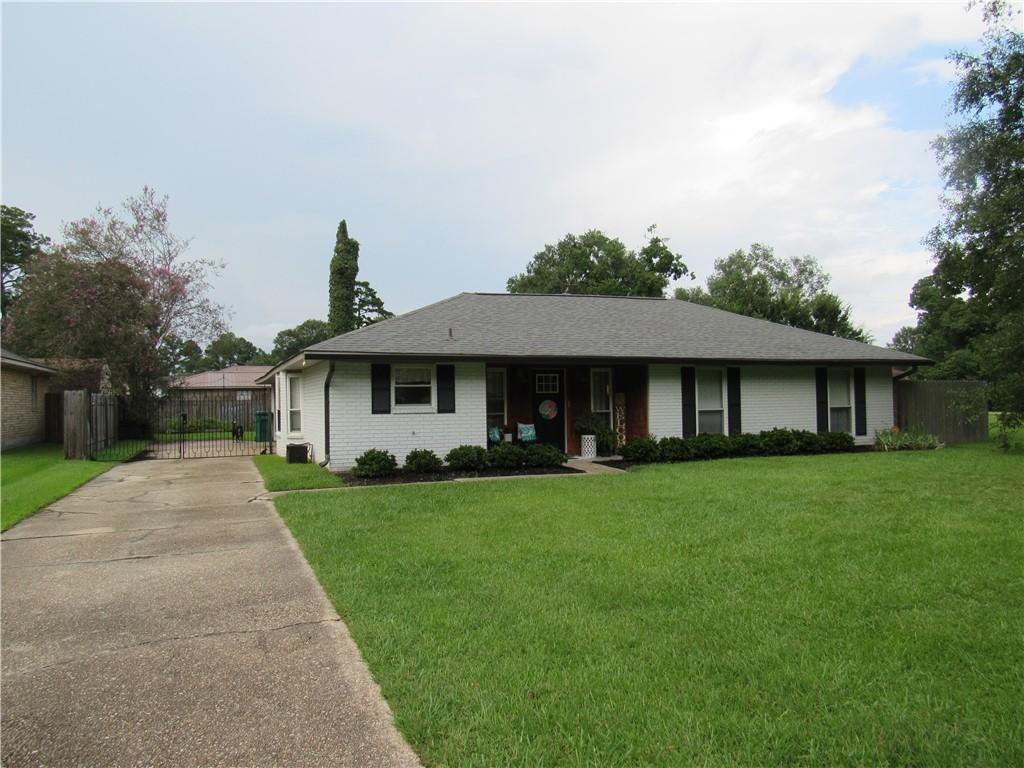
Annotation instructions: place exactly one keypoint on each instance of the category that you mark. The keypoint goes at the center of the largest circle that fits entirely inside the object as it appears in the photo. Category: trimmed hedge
(375, 463)
(507, 456)
(774, 442)
(467, 457)
(422, 461)
(540, 455)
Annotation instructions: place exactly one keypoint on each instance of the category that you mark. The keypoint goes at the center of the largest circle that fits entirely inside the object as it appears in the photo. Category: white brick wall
(313, 378)
(354, 429)
(771, 396)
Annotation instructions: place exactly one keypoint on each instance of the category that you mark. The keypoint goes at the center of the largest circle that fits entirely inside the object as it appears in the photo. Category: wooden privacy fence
(954, 411)
(90, 423)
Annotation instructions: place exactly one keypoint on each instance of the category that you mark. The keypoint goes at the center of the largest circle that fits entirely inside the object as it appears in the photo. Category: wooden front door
(549, 406)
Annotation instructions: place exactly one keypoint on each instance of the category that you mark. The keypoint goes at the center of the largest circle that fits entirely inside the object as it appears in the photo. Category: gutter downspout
(327, 415)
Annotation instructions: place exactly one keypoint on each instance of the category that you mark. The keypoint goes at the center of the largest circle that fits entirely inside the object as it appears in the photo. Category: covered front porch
(557, 397)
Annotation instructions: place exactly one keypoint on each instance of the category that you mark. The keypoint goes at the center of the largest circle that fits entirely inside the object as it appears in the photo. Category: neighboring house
(231, 394)
(439, 376)
(23, 386)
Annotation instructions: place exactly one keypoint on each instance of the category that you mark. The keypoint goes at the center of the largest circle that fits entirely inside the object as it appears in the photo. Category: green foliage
(229, 349)
(746, 444)
(541, 455)
(643, 450)
(836, 442)
(707, 446)
(368, 308)
(594, 263)
(673, 449)
(19, 244)
(375, 463)
(598, 426)
(506, 456)
(905, 440)
(971, 308)
(342, 283)
(422, 461)
(467, 457)
(794, 292)
(291, 341)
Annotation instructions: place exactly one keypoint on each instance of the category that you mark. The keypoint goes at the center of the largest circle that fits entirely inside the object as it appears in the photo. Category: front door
(549, 407)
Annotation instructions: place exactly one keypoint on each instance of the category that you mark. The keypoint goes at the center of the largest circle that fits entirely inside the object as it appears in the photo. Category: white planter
(588, 446)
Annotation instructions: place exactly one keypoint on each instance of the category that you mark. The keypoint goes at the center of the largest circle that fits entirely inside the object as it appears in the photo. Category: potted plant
(596, 437)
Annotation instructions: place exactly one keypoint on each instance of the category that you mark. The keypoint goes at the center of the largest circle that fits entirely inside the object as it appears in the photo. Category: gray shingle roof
(489, 325)
(26, 363)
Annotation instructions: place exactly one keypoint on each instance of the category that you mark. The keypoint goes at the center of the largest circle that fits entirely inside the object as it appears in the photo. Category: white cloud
(934, 71)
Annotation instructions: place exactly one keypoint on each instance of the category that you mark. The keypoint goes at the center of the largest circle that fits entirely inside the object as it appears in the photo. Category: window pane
(412, 395)
(295, 421)
(600, 391)
(839, 387)
(547, 383)
(496, 420)
(710, 421)
(839, 420)
(496, 394)
(417, 375)
(709, 389)
(294, 393)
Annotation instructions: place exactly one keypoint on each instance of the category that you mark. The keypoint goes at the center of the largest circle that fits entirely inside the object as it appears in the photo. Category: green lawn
(858, 609)
(279, 475)
(33, 477)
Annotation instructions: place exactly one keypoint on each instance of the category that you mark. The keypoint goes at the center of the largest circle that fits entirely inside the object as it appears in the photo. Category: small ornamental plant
(422, 461)
(540, 455)
(467, 458)
(643, 450)
(375, 463)
(507, 456)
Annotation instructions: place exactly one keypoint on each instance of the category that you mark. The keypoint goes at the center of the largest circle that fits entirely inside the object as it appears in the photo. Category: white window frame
(294, 379)
(611, 394)
(724, 408)
(849, 397)
(504, 394)
(421, 407)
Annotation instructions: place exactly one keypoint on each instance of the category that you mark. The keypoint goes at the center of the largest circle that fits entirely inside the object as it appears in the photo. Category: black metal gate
(182, 424)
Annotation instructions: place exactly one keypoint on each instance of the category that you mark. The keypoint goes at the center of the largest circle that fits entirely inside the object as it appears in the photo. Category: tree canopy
(971, 308)
(342, 282)
(291, 341)
(595, 263)
(19, 243)
(792, 291)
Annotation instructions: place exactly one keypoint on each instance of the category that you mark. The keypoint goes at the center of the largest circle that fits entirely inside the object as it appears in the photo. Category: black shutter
(446, 389)
(689, 383)
(380, 385)
(860, 406)
(733, 389)
(821, 382)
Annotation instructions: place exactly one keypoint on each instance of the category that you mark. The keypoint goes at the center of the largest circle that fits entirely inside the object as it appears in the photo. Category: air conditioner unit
(297, 453)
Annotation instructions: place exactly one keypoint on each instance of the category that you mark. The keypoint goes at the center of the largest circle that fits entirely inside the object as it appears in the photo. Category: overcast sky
(458, 139)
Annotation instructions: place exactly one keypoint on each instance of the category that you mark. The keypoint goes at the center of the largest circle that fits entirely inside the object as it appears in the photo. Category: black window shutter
(821, 382)
(380, 385)
(446, 389)
(689, 383)
(732, 376)
(860, 402)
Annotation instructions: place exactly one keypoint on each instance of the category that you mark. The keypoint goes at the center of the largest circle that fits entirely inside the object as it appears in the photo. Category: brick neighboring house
(23, 386)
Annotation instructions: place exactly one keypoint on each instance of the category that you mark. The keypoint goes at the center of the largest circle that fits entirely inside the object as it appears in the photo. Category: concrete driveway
(156, 616)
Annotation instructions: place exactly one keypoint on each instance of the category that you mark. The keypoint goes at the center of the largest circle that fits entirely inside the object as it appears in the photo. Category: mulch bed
(402, 477)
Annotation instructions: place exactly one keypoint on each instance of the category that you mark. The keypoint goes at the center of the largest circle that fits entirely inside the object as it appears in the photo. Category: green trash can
(262, 426)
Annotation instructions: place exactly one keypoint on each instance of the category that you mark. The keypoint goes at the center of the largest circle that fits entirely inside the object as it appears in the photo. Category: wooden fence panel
(103, 422)
(76, 424)
(954, 411)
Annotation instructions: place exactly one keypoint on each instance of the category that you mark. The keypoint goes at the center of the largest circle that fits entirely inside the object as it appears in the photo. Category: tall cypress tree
(344, 268)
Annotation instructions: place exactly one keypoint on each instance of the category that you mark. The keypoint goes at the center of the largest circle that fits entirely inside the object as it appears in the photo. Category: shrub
(375, 463)
(642, 449)
(422, 461)
(467, 457)
(673, 449)
(539, 455)
(807, 442)
(909, 440)
(779, 442)
(836, 442)
(708, 446)
(507, 456)
(745, 445)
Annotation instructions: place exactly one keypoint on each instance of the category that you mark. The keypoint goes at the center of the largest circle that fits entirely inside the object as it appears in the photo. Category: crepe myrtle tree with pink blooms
(120, 288)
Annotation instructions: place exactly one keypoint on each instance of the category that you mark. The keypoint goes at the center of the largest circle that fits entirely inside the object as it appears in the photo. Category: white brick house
(479, 365)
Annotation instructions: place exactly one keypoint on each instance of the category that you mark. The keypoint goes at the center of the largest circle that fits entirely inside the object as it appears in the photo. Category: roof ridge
(568, 295)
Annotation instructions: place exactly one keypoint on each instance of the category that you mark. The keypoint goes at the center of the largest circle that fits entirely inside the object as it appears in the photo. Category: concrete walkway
(155, 617)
